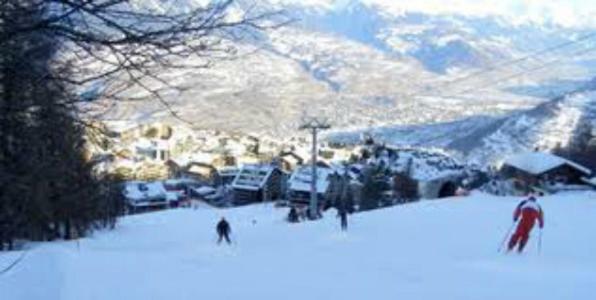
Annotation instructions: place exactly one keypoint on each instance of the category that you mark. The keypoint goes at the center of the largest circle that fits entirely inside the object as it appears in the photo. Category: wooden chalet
(538, 169)
(202, 172)
(299, 184)
(258, 183)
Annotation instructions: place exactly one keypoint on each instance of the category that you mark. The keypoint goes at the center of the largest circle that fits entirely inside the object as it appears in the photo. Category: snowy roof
(425, 166)
(235, 148)
(204, 190)
(202, 169)
(138, 190)
(151, 144)
(143, 143)
(302, 178)
(252, 177)
(247, 160)
(228, 171)
(539, 162)
(591, 181)
(198, 157)
(120, 125)
(292, 158)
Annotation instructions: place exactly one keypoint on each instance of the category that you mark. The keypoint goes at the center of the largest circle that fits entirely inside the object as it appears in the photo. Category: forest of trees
(51, 50)
(583, 148)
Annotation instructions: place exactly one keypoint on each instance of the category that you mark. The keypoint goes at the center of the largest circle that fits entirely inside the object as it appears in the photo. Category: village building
(202, 172)
(443, 186)
(174, 169)
(258, 183)
(590, 181)
(228, 174)
(542, 170)
(152, 149)
(151, 171)
(143, 196)
(299, 185)
(437, 175)
(248, 159)
(290, 160)
(221, 160)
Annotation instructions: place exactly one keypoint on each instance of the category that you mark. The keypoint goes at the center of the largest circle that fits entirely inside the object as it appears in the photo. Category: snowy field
(427, 250)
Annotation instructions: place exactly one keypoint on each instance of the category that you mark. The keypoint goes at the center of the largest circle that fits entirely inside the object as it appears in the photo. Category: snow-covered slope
(552, 124)
(428, 250)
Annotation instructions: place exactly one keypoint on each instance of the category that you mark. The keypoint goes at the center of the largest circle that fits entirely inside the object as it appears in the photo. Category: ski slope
(428, 250)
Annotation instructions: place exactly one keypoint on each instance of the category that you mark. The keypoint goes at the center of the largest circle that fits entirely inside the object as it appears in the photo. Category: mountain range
(463, 82)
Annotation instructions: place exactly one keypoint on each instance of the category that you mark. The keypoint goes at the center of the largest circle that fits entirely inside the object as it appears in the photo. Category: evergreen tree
(373, 187)
(50, 50)
(405, 187)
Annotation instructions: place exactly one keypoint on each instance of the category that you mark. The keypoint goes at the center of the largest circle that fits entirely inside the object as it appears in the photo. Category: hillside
(427, 250)
(483, 139)
(361, 64)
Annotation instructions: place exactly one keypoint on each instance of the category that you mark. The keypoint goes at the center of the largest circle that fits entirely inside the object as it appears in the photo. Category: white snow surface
(428, 250)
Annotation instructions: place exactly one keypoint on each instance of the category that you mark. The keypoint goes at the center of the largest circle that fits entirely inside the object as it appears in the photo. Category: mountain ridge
(361, 66)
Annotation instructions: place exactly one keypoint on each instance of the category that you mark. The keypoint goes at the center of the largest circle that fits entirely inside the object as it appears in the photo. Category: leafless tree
(56, 55)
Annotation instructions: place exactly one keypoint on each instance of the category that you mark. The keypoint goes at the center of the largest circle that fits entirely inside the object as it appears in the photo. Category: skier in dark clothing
(343, 216)
(223, 231)
(293, 216)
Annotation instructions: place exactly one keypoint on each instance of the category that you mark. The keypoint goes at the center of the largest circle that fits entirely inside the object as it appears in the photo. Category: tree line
(51, 51)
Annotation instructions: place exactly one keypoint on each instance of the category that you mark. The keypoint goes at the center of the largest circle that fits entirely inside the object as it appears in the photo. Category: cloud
(568, 13)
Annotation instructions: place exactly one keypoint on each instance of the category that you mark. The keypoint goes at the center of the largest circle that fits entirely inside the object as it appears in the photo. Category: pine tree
(406, 188)
(373, 187)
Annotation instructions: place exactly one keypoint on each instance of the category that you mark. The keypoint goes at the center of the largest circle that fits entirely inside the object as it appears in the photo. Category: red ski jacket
(529, 211)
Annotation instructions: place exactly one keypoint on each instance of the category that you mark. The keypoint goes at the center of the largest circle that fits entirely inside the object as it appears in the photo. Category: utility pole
(314, 125)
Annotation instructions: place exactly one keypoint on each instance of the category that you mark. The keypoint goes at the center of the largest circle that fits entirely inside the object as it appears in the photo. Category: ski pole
(540, 241)
(506, 236)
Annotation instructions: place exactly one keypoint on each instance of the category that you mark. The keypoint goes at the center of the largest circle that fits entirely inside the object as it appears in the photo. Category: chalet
(130, 131)
(257, 183)
(443, 186)
(247, 159)
(299, 185)
(436, 174)
(224, 160)
(538, 169)
(590, 181)
(290, 160)
(143, 196)
(202, 172)
(174, 169)
(149, 170)
(251, 143)
(156, 150)
(227, 174)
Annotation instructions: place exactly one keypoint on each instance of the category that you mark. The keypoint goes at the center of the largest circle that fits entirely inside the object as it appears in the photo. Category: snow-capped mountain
(362, 64)
(555, 123)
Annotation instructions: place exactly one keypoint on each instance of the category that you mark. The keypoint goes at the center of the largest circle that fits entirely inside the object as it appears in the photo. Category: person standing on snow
(530, 211)
(223, 231)
(343, 216)
(293, 216)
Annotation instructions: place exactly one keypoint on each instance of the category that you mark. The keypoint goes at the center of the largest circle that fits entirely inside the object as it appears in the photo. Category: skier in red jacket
(529, 211)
